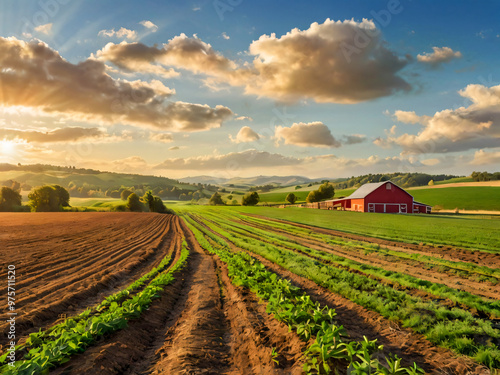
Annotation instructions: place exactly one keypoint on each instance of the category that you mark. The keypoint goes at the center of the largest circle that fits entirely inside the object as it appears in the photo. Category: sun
(7, 147)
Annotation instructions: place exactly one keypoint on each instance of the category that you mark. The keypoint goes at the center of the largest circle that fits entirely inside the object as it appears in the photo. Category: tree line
(55, 198)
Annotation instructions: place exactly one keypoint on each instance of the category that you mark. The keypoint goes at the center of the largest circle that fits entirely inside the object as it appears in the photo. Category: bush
(48, 198)
(250, 199)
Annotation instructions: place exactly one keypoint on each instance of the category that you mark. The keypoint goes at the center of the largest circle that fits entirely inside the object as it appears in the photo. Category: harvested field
(221, 292)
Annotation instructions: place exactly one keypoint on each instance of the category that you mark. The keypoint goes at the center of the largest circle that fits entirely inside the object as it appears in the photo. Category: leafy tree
(234, 202)
(48, 198)
(134, 204)
(216, 200)
(125, 194)
(148, 198)
(312, 197)
(291, 198)
(298, 187)
(431, 183)
(250, 199)
(10, 200)
(325, 191)
(230, 197)
(63, 195)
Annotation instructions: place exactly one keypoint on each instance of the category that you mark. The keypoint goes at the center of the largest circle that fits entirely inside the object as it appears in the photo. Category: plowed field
(249, 299)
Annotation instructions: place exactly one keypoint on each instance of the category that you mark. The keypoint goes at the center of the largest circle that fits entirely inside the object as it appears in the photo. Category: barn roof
(366, 189)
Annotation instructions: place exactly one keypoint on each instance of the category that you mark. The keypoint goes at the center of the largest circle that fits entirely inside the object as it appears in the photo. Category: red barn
(378, 197)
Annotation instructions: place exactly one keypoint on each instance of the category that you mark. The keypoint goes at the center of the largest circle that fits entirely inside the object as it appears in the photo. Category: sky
(231, 88)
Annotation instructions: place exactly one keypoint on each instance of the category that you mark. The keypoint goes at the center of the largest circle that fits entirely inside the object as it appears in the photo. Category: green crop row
(308, 319)
(492, 308)
(48, 349)
(453, 328)
(358, 245)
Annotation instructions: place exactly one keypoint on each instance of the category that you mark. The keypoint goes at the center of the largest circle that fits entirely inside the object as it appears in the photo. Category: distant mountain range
(252, 181)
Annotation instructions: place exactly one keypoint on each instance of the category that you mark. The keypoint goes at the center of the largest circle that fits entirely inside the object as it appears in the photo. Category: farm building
(376, 197)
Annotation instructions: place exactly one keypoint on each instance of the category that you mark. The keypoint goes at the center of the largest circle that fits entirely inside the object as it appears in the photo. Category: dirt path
(360, 322)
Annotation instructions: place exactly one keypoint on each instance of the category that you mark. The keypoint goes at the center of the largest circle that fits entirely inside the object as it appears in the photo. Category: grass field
(468, 198)
(470, 231)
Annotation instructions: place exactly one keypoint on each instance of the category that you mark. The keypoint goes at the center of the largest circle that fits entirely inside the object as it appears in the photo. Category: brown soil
(201, 324)
(68, 262)
(360, 322)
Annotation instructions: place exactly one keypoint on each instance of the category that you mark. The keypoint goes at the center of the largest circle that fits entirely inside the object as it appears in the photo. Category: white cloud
(69, 134)
(482, 157)
(439, 56)
(314, 134)
(246, 134)
(474, 127)
(122, 33)
(241, 118)
(161, 137)
(225, 36)
(36, 78)
(233, 160)
(44, 29)
(334, 62)
(353, 139)
(149, 25)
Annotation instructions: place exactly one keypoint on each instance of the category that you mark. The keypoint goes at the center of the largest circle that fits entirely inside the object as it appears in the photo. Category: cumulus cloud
(69, 134)
(44, 29)
(225, 36)
(241, 118)
(233, 160)
(408, 117)
(161, 137)
(482, 157)
(246, 134)
(334, 62)
(439, 56)
(313, 134)
(474, 127)
(36, 77)
(149, 25)
(122, 33)
(182, 52)
(353, 139)
(173, 148)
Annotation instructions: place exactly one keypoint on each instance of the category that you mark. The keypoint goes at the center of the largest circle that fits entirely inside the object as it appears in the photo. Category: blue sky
(239, 88)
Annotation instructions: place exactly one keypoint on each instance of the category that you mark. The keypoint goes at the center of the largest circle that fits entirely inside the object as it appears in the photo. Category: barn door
(371, 207)
(402, 208)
